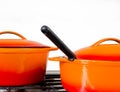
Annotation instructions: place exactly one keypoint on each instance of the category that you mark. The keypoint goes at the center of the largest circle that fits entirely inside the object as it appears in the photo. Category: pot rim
(85, 62)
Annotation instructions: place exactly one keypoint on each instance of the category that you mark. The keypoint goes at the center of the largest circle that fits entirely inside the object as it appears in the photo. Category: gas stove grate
(52, 83)
(53, 80)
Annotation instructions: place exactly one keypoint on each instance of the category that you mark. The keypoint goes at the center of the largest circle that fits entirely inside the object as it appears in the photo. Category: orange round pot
(96, 69)
(22, 61)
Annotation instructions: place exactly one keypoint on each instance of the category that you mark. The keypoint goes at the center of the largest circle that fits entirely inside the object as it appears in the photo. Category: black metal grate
(52, 83)
(53, 80)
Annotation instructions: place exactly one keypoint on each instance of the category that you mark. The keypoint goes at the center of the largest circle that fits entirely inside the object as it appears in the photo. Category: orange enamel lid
(19, 43)
(99, 51)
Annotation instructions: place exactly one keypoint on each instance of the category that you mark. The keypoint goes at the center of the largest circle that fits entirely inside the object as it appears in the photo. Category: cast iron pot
(22, 61)
(91, 69)
(96, 69)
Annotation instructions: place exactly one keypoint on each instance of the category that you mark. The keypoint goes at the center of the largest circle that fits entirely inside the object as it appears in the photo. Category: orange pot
(96, 69)
(22, 61)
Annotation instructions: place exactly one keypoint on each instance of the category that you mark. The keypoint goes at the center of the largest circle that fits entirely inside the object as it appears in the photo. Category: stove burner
(52, 83)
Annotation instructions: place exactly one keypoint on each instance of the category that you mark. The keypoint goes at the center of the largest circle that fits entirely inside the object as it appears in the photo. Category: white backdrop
(79, 23)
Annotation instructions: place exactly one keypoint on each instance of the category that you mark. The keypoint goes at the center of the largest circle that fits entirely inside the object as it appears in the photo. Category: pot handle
(59, 59)
(15, 33)
(106, 39)
(65, 59)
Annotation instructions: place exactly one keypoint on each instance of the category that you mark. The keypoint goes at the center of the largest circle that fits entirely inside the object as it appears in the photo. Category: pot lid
(19, 43)
(100, 51)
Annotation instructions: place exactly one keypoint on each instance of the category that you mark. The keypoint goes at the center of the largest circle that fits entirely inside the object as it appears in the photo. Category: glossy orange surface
(96, 69)
(99, 51)
(22, 42)
(21, 66)
(89, 75)
(22, 62)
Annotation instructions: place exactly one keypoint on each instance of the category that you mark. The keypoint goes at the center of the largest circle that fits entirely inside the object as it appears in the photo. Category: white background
(79, 23)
